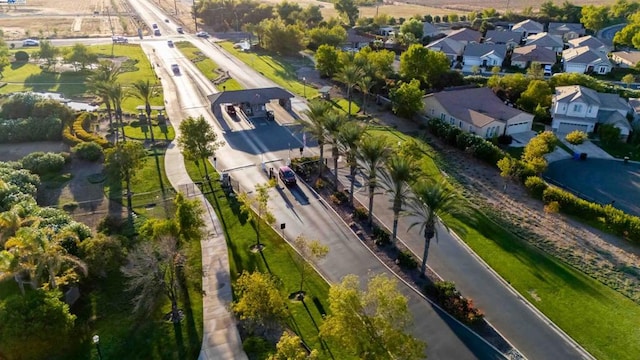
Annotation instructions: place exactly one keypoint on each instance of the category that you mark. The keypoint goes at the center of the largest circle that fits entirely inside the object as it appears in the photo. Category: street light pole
(304, 87)
(195, 15)
(96, 340)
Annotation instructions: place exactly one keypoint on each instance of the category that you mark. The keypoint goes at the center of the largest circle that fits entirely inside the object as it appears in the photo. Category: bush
(455, 304)
(80, 125)
(320, 184)
(90, 151)
(360, 213)
(43, 163)
(21, 56)
(406, 260)
(505, 139)
(15, 130)
(576, 137)
(69, 138)
(339, 197)
(536, 186)
(257, 347)
(381, 236)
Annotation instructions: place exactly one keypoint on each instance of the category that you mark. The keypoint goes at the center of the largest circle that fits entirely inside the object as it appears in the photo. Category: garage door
(518, 128)
(566, 128)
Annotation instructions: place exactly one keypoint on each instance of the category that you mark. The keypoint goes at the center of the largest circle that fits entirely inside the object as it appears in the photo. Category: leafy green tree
(198, 141)
(374, 152)
(594, 17)
(535, 71)
(152, 271)
(413, 26)
(288, 11)
(39, 316)
(406, 99)
(288, 348)
(347, 9)
(395, 179)
(118, 94)
(365, 84)
(576, 137)
(627, 35)
(314, 125)
(100, 81)
(80, 54)
(371, 324)
(4, 62)
(432, 199)
(122, 162)
(349, 75)
(327, 61)
(622, 9)
(538, 93)
(334, 36)
(281, 38)
(188, 218)
(103, 254)
(628, 79)
(332, 124)
(609, 134)
(510, 168)
(259, 303)
(379, 63)
(48, 52)
(349, 136)
(311, 251)
(550, 10)
(259, 202)
(423, 64)
(510, 86)
(534, 151)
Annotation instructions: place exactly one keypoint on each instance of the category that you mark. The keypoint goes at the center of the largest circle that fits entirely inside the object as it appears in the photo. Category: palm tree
(432, 200)
(395, 181)
(144, 91)
(117, 96)
(350, 74)
(349, 137)
(106, 74)
(332, 124)
(314, 125)
(365, 84)
(374, 151)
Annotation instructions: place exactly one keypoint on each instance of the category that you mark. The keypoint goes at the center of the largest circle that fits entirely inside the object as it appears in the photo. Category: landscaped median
(208, 67)
(583, 307)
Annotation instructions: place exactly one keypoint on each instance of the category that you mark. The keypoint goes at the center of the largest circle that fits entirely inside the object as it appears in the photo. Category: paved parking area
(600, 180)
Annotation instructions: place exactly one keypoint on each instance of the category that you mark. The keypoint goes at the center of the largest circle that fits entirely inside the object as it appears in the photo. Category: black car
(287, 175)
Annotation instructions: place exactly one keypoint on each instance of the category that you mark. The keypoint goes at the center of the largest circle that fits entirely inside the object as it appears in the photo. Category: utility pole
(195, 15)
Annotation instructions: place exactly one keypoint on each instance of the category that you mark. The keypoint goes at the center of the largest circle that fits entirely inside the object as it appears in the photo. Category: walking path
(220, 336)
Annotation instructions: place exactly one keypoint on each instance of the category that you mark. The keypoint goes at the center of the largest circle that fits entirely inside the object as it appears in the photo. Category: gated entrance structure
(252, 101)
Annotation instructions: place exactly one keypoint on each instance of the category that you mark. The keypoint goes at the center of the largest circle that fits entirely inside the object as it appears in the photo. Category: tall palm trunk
(108, 105)
(372, 189)
(206, 171)
(150, 126)
(321, 165)
(335, 153)
(129, 201)
(429, 233)
(352, 172)
(349, 98)
(397, 206)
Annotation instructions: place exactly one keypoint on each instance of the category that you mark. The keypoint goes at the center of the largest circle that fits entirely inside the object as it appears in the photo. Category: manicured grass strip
(206, 65)
(160, 132)
(277, 258)
(598, 317)
(283, 73)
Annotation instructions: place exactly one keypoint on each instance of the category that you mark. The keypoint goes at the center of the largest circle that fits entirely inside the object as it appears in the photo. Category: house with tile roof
(523, 56)
(543, 39)
(626, 59)
(567, 31)
(503, 37)
(465, 36)
(591, 41)
(584, 60)
(528, 27)
(576, 107)
(485, 55)
(452, 48)
(478, 111)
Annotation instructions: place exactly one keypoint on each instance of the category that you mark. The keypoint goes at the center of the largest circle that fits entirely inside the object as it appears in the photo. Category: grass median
(601, 319)
(207, 66)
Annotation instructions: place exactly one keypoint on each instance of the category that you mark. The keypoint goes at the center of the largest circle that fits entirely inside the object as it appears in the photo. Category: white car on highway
(31, 42)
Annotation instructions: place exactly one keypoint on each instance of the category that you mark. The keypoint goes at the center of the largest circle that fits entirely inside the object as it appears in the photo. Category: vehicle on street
(231, 110)
(202, 34)
(166, 20)
(170, 43)
(179, 30)
(176, 69)
(154, 26)
(287, 175)
(156, 32)
(31, 42)
(120, 40)
(270, 115)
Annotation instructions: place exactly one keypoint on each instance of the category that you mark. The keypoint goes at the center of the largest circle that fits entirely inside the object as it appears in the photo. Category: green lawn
(29, 77)
(278, 258)
(206, 65)
(620, 150)
(160, 132)
(279, 70)
(571, 299)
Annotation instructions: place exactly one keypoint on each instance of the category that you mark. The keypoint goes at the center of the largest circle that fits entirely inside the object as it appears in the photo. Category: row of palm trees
(383, 168)
(105, 84)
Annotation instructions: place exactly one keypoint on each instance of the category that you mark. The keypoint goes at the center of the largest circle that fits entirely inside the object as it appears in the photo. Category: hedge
(30, 129)
(79, 129)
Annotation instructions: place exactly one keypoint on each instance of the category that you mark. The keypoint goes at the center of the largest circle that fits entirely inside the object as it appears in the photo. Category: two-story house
(576, 107)
(478, 111)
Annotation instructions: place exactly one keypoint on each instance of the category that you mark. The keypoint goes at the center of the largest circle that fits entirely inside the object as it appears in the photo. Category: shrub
(381, 236)
(320, 184)
(360, 213)
(576, 137)
(406, 260)
(69, 138)
(21, 56)
(505, 139)
(455, 304)
(90, 151)
(257, 347)
(70, 206)
(80, 125)
(339, 197)
(43, 163)
(536, 186)
(29, 129)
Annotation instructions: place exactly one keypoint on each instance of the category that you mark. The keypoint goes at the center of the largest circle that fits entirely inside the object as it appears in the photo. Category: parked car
(156, 32)
(176, 69)
(154, 26)
(231, 110)
(170, 43)
(202, 34)
(31, 42)
(287, 175)
(179, 30)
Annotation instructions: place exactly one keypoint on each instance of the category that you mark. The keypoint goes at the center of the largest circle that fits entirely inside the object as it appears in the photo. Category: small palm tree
(395, 181)
(349, 137)
(117, 94)
(314, 125)
(432, 200)
(144, 91)
(374, 151)
(350, 75)
(99, 83)
(365, 84)
(332, 124)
